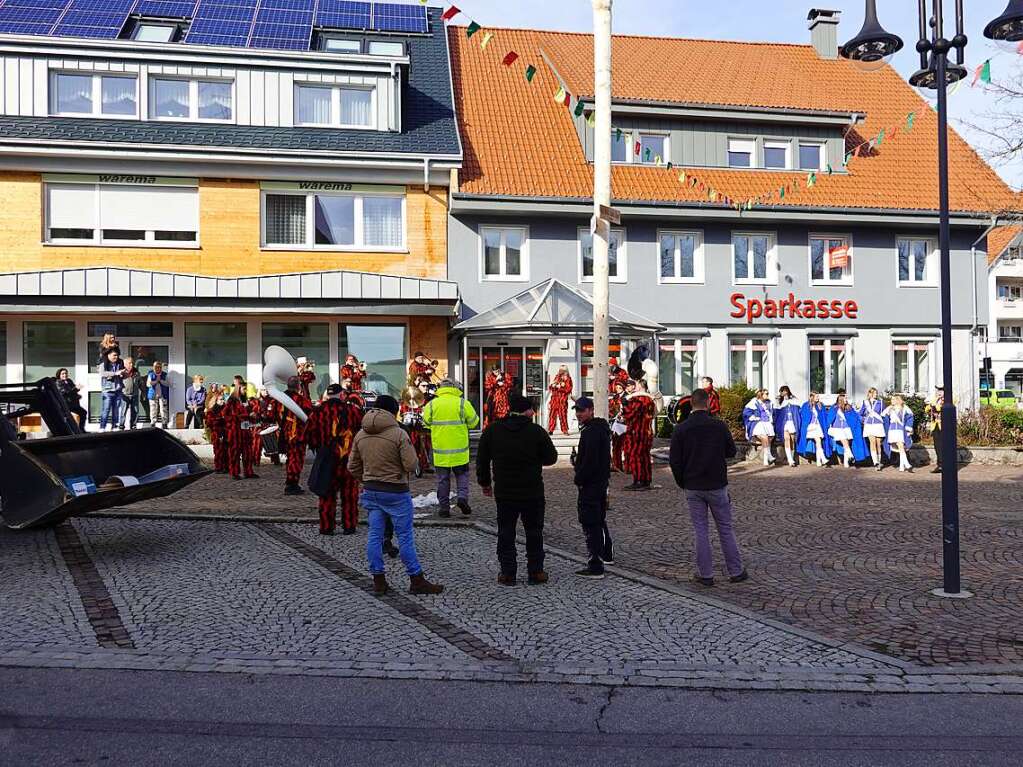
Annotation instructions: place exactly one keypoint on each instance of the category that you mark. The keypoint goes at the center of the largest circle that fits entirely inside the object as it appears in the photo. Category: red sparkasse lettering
(809, 310)
(851, 309)
(737, 301)
(836, 310)
(754, 309)
(771, 310)
(823, 309)
(794, 307)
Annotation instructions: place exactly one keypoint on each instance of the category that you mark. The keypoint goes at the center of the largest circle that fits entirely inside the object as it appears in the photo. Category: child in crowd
(159, 395)
(195, 403)
(71, 393)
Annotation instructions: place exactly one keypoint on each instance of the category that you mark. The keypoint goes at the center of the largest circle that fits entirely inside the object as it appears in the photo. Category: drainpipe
(426, 174)
(974, 390)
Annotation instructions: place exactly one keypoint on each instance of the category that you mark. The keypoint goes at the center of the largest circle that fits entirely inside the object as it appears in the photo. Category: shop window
(47, 347)
(677, 366)
(3, 352)
(122, 215)
(192, 100)
(303, 340)
(617, 268)
(504, 254)
(384, 349)
(917, 261)
(754, 258)
(93, 95)
(831, 261)
(334, 106)
(334, 221)
(218, 351)
(681, 257)
(586, 360)
(912, 363)
(828, 365)
(748, 362)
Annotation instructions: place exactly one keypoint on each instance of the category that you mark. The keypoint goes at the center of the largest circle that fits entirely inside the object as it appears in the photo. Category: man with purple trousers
(700, 448)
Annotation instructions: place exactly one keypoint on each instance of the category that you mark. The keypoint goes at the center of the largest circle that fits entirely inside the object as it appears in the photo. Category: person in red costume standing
(614, 408)
(215, 423)
(333, 425)
(353, 371)
(617, 374)
(561, 391)
(255, 424)
(306, 375)
(639, 411)
(293, 429)
(421, 368)
(272, 413)
(714, 399)
(236, 428)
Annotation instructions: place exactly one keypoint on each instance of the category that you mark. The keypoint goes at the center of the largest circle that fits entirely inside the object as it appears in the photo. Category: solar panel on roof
(94, 18)
(390, 17)
(58, 4)
(221, 23)
(166, 9)
(30, 17)
(343, 14)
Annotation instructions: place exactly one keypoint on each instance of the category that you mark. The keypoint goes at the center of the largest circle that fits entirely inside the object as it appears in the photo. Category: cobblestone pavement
(850, 554)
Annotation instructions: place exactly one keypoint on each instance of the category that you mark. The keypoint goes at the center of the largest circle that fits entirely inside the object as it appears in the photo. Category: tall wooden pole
(601, 196)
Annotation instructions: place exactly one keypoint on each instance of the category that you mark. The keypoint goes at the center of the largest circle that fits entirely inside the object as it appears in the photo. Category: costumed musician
(353, 371)
(306, 371)
(293, 430)
(332, 425)
(557, 408)
(639, 412)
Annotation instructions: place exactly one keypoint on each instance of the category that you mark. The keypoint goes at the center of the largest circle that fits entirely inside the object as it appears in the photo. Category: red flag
(510, 58)
(893, 132)
(639, 148)
(450, 13)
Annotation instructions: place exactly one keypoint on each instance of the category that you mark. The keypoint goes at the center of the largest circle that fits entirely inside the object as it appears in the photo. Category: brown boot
(419, 585)
(380, 586)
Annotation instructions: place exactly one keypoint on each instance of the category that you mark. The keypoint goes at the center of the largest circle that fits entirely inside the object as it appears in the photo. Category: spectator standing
(592, 474)
(449, 417)
(700, 449)
(111, 384)
(933, 412)
(107, 345)
(159, 395)
(71, 393)
(509, 467)
(382, 458)
(714, 401)
(195, 403)
(131, 390)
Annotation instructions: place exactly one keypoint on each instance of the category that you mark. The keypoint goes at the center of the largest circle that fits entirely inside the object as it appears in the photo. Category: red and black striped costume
(239, 446)
(293, 430)
(272, 412)
(215, 423)
(419, 435)
(307, 377)
(714, 403)
(557, 409)
(639, 411)
(353, 373)
(333, 425)
(614, 407)
(618, 375)
(255, 419)
(420, 371)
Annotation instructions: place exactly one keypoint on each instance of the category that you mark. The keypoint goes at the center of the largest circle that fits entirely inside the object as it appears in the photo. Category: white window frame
(777, 144)
(752, 142)
(829, 372)
(340, 36)
(699, 270)
(173, 27)
(750, 341)
(98, 241)
(371, 43)
(820, 145)
(97, 93)
(772, 258)
(335, 105)
(623, 258)
(503, 276)
(629, 137)
(914, 344)
(639, 134)
(193, 99)
(310, 223)
(930, 270)
(677, 344)
(827, 282)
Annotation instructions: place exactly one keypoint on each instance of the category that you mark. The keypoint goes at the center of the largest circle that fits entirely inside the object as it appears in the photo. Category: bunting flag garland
(591, 119)
(530, 73)
(486, 40)
(618, 134)
(561, 96)
(510, 58)
(579, 109)
(829, 170)
(472, 29)
(910, 119)
(982, 73)
(811, 180)
(450, 13)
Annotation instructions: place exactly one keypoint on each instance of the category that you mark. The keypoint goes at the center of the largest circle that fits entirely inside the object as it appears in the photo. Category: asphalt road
(74, 717)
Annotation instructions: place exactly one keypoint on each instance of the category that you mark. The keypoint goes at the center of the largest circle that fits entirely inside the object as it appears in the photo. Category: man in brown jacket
(382, 459)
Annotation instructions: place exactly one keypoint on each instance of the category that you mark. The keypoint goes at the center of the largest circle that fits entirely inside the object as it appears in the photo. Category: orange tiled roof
(520, 143)
(999, 239)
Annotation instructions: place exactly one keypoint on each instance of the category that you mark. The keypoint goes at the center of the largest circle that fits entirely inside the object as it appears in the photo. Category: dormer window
(386, 48)
(336, 44)
(653, 148)
(741, 153)
(619, 147)
(93, 95)
(152, 32)
(810, 156)
(334, 106)
(776, 154)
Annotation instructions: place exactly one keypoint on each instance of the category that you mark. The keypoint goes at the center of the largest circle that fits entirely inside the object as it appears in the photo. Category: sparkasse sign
(792, 308)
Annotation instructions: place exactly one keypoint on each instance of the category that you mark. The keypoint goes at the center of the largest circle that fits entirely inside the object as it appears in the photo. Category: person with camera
(449, 416)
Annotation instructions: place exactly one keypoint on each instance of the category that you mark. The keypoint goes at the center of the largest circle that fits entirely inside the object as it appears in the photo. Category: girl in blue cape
(846, 432)
(758, 416)
(899, 424)
(812, 423)
(874, 430)
(786, 422)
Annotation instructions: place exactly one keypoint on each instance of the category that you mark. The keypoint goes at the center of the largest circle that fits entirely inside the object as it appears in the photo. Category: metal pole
(601, 196)
(949, 442)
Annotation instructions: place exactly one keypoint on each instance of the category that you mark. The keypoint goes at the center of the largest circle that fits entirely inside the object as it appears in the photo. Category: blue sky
(776, 21)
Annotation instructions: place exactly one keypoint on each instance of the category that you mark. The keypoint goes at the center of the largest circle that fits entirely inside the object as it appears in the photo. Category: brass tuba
(278, 368)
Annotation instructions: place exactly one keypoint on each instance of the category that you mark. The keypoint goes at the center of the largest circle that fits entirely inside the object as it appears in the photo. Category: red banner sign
(792, 308)
(838, 257)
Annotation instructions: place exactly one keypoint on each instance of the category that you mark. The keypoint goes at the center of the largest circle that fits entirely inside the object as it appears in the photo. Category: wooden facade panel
(430, 336)
(229, 227)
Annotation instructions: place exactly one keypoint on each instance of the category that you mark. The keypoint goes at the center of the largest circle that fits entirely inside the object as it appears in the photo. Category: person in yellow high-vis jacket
(449, 417)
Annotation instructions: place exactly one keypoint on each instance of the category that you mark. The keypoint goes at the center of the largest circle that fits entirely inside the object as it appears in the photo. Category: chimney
(824, 32)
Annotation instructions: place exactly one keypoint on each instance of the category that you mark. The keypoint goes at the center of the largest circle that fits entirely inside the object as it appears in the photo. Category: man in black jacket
(518, 448)
(700, 449)
(592, 473)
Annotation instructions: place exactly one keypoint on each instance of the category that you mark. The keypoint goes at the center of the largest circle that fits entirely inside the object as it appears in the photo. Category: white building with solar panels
(205, 179)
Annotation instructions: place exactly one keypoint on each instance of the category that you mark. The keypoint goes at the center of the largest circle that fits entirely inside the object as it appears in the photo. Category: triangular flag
(579, 109)
(510, 58)
(880, 138)
(561, 96)
(530, 73)
(472, 29)
(848, 157)
(486, 40)
(618, 134)
(811, 180)
(646, 154)
(893, 133)
(682, 177)
(1019, 49)
(450, 13)
(591, 119)
(781, 194)
(670, 165)
(829, 169)
(657, 159)
(713, 195)
(639, 148)
(910, 118)
(982, 73)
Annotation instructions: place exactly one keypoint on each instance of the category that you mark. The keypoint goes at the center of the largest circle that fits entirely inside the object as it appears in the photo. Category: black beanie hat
(388, 403)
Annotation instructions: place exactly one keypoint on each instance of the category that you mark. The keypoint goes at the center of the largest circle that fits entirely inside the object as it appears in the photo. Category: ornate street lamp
(874, 43)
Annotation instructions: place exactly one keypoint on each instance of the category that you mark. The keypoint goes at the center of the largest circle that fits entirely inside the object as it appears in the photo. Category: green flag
(579, 108)
(910, 118)
(530, 73)
(472, 29)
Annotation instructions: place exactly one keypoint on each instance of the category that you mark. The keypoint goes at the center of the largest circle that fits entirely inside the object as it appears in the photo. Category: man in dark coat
(509, 467)
(592, 473)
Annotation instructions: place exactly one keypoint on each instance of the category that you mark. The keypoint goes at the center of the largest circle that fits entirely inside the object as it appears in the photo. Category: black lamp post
(872, 45)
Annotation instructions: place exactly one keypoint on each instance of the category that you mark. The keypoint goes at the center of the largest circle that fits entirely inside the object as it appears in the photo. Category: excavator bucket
(44, 481)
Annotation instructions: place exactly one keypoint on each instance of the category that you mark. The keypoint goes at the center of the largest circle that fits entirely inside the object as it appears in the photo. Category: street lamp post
(871, 47)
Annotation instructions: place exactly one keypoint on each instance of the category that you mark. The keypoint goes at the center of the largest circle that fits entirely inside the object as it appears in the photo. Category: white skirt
(896, 437)
(814, 431)
(836, 432)
(874, 430)
(790, 428)
(763, 429)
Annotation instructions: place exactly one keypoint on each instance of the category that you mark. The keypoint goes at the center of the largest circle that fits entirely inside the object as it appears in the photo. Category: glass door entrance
(525, 365)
